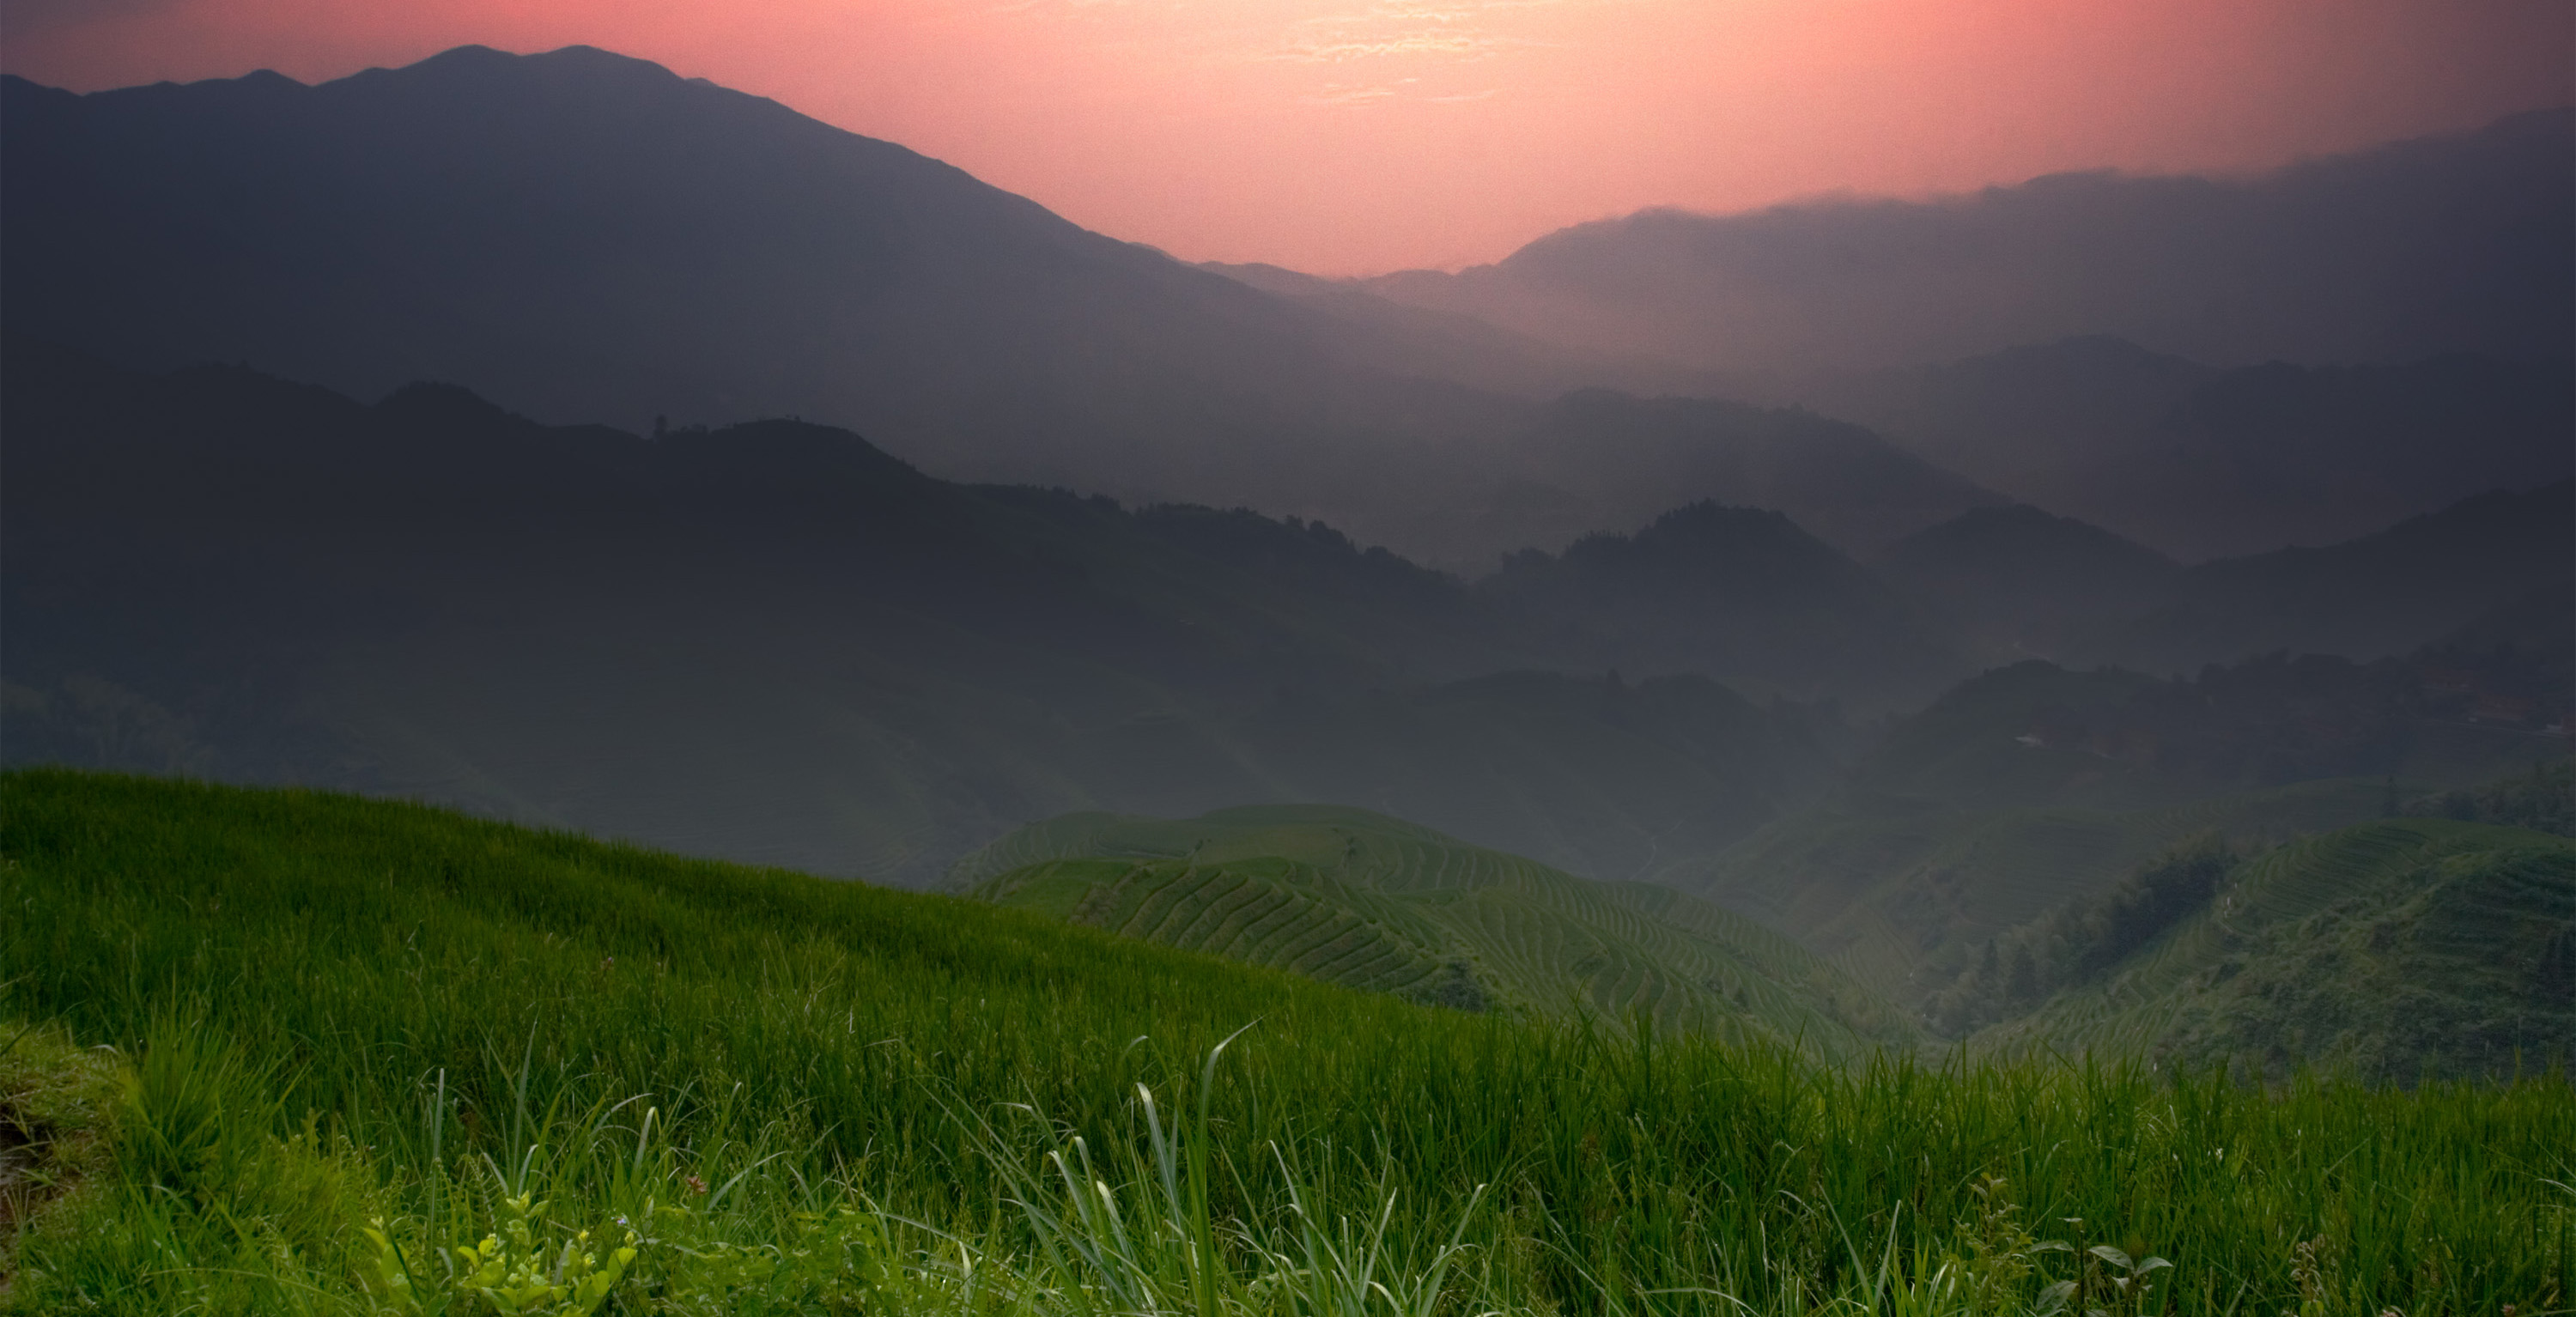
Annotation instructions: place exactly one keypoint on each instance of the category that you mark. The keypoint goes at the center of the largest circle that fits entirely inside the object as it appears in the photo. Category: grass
(2402, 946)
(373, 1057)
(1899, 893)
(1374, 902)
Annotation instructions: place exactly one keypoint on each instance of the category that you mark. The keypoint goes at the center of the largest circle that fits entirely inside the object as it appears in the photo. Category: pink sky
(1354, 136)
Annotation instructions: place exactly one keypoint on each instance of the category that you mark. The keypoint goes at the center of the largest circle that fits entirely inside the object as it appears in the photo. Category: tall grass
(343, 1017)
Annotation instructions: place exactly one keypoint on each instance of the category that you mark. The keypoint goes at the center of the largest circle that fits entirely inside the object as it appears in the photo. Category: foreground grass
(372, 1057)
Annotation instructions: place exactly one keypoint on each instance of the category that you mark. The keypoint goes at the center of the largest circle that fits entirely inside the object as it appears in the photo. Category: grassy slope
(1899, 895)
(359, 981)
(1374, 902)
(2034, 785)
(2402, 947)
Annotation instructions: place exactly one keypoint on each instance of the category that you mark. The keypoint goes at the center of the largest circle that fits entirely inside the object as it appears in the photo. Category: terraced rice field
(1372, 902)
(1893, 896)
(2406, 926)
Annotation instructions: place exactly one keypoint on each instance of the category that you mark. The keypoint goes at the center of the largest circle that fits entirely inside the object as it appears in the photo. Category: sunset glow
(1350, 136)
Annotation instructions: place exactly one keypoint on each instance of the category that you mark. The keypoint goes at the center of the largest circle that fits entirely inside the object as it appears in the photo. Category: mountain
(1461, 349)
(2204, 463)
(2009, 583)
(583, 237)
(2406, 251)
(1361, 899)
(2032, 786)
(589, 237)
(1620, 459)
(2017, 582)
(775, 642)
(1598, 776)
(2402, 949)
(1736, 592)
(2384, 593)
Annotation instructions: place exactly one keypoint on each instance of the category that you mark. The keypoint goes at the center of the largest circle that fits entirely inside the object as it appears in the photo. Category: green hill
(1373, 902)
(240, 1030)
(2034, 785)
(1900, 894)
(2403, 947)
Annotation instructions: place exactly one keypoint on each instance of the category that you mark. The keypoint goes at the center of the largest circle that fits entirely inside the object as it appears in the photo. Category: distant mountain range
(2412, 250)
(588, 238)
(2203, 463)
(775, 642)
(2015, 583)
(2010, 564)
(1733, 590)
(2380, 594)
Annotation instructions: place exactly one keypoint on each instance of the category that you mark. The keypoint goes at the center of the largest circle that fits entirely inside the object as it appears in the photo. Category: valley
(616, 698)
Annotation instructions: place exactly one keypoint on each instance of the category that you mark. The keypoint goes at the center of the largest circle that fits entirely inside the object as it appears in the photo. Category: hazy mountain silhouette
(2384, 593)
(2410, 250)
(585, 237)
(2204, 463)
(2018, 583)
(1391, 335)
(1735, 592)
(588, 236)
(775, 642)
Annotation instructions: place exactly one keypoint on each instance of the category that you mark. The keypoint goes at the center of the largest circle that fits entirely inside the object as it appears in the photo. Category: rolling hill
(1373, 902)
(2032, 786)
(2204, 463)
(2388, 592)
(2017, 582)
(2401, 948)
(774, 642)
(354, 1032)
(1735, 592)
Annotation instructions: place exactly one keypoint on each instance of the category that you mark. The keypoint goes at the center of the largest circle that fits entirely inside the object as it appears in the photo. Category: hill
(1620, 460)
(2203, 463)
(1358, 898)
(774, 642)
(2403, 948)
(583, 237)
(1742, 594)
(698, 1087)
(2402, 252)
(2032, 786)
(2384, 593)
(2017, 582)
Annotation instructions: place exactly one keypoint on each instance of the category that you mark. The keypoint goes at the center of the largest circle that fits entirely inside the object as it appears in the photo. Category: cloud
(1459, 31)
(1337, 95)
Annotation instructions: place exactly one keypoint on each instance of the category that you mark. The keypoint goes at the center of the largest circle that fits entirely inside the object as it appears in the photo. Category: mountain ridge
(2345, 257)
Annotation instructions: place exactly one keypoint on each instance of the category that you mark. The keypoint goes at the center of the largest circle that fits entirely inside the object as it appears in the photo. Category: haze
(1344, 137)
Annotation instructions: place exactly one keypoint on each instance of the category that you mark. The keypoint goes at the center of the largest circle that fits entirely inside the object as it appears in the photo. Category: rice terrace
(1293, 658)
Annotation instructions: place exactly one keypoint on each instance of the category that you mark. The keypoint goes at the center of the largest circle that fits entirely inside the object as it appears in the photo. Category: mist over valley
(533, 584)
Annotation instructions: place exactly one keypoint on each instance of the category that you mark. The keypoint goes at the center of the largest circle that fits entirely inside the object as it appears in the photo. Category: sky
(1357, 136)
